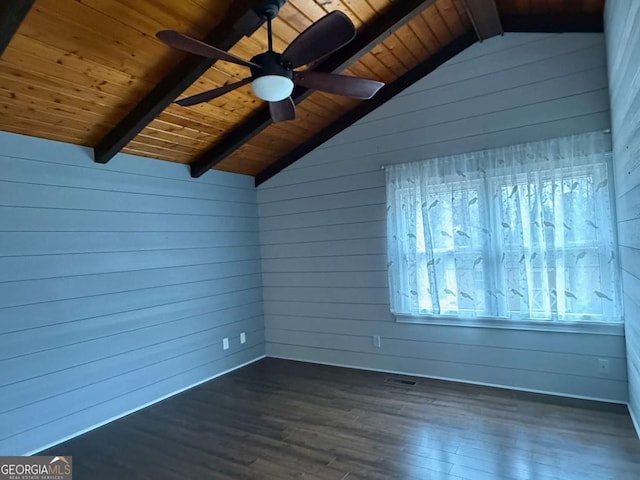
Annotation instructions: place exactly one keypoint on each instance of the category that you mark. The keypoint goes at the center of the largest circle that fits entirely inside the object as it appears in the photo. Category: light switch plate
(243, 337)
(225, 343)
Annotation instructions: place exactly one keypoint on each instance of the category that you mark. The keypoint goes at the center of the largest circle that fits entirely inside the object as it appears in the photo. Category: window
(522, 233)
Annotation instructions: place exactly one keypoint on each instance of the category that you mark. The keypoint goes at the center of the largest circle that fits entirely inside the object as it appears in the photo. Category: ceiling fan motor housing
(269, 8)
(272, 64)
(274, 80)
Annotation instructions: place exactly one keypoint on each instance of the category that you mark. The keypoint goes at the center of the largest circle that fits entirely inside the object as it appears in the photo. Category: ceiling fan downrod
(269, 35)
(268, 10)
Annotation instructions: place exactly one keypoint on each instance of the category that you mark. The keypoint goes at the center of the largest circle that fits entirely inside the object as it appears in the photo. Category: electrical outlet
(603, 366)
(243, 337)
(225, 343)
(376, 341)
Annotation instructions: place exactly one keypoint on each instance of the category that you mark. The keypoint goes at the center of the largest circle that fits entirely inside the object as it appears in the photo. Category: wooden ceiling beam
(397, 15)
(11, 15)
(385, 94)
(240, 21)
(484, 17)
(554, 23)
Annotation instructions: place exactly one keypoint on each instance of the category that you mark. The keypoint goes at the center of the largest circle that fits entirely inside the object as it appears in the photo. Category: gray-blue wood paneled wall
(117, 285)
(323, 232)
(622, 29)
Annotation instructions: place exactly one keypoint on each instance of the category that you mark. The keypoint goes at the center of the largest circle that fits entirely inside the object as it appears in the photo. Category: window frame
(593, 325)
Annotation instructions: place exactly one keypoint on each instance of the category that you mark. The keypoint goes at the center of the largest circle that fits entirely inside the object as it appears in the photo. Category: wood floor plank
(278, 419)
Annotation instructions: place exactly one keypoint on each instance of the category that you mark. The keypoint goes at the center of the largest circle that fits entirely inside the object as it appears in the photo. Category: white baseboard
(93, 427)
(470, 382)
(636, 424)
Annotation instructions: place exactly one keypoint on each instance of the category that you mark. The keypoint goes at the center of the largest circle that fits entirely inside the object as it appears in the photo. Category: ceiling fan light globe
(272, 88)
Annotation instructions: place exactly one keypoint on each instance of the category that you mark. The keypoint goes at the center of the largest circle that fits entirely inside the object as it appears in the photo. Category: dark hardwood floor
(279, 419)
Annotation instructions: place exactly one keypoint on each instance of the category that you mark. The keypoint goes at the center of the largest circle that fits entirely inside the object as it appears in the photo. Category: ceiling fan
(272, 74)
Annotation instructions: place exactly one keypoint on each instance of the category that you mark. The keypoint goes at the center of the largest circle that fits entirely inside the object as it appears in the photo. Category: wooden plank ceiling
(75, 68)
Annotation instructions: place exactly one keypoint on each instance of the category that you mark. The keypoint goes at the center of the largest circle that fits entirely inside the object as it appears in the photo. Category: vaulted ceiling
(91, 72)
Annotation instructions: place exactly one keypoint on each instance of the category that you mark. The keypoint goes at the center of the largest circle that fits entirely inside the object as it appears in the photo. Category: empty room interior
(328, 239)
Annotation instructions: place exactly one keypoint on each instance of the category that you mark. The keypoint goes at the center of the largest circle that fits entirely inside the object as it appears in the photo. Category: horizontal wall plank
(83, 177)
(340, 216)
(369, 246)
(472, 355)
(370, 295)
(630, 261)
(361, 263)
(70, 220)
(37, 314)
(487, 49)
(52, 266)
(325, 279)
(62, 378)
(354, 198)
(325, 233)
(321, 311)
(629, 232)
(631, 285)
(627, 166)
(56, 243)
(546, 110)
(20, 343)
(317, 188)
(54, 289)
(32, 366)
(61, 153)
(490, 48)
(610, 346)
(547, 92)
(23, 195)
(429, 95)
(628, 203)
(511, 55)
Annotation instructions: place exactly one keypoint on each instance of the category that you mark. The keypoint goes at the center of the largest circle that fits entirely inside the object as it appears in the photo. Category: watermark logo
(36, 468)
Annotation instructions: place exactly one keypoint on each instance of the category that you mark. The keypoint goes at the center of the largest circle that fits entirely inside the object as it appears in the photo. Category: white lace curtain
(524, 232)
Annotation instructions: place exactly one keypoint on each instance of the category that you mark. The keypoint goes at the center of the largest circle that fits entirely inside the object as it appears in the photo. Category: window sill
(599, 328)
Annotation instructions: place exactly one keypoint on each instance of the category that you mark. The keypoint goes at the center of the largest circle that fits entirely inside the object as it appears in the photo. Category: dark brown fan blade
(323, 37)
(355, 87)
(191, 45)
(282, 110)
(211, 94)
